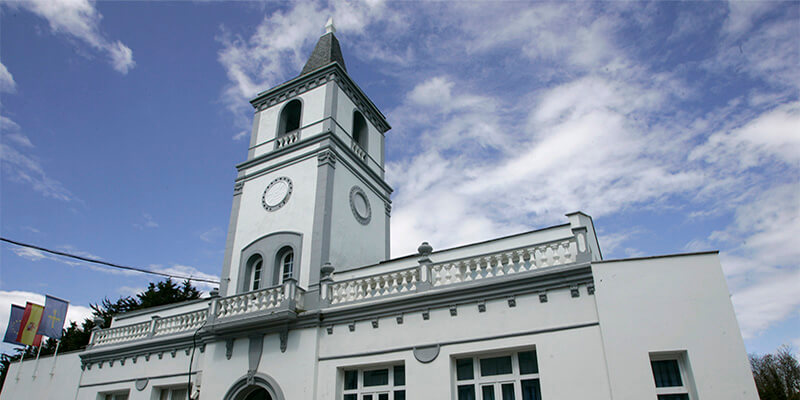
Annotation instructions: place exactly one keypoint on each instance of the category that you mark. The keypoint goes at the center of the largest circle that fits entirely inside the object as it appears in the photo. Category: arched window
(255, 265)
(284, 265)
(290, 117)
(359, 129)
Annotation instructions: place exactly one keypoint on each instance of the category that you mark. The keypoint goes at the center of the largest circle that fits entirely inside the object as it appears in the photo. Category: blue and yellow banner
(55, 313)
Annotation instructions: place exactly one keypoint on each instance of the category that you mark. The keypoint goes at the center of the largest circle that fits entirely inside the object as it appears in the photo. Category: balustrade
(287, 139)
(121, 334)
(245, 303)
(359, 151)
(375, 286)
(504, 263)
(180, 323)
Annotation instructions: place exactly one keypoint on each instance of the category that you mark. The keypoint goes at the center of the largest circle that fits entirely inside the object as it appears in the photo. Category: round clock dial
(277, 193)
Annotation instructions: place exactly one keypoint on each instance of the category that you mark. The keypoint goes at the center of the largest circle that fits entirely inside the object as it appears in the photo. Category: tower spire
(326, 51)
(329, 28)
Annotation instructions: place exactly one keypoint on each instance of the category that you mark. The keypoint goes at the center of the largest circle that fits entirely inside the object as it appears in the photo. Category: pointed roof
(326, 51)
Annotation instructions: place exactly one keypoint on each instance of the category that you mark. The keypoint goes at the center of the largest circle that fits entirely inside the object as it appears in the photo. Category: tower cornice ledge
(331, 72)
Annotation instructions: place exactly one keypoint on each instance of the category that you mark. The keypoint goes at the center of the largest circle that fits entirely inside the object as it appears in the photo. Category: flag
(30, 324)
(55, 313)
(14, 320)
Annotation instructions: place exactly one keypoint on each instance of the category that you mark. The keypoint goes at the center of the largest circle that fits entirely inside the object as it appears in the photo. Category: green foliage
(76, 337)
(777, 375)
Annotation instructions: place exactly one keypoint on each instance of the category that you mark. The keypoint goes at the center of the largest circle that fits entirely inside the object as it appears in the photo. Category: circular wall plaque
(359, 204)
(277, 193)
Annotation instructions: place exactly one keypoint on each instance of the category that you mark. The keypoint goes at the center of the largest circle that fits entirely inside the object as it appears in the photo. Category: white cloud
(768, 301)
(186, 270)
(7, 84)
(148, 222)
(21, 166)
(80, 19)
(75, 312)
(212, 235)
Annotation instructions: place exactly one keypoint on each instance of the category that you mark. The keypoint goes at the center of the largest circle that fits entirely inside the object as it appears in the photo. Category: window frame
(114, 394)
(360, 391)
(687, 384)
(279, 274)
(516, 377)
(360, 136)
(171, 392)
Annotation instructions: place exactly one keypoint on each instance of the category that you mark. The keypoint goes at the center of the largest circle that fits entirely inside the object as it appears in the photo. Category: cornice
(332, 72)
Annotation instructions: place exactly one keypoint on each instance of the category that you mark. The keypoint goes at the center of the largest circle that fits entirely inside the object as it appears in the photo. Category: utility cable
(91, 260)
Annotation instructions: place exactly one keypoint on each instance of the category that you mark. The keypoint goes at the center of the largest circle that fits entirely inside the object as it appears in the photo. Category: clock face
(277, 193)
(359, 204)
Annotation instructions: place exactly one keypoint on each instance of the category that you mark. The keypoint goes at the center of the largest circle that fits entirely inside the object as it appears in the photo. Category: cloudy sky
(675, 125)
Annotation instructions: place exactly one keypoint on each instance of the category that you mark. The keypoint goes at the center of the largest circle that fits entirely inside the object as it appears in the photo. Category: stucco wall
(678, 303)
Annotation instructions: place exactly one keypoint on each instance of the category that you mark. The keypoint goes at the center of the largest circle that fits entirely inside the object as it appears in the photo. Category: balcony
(279, 305)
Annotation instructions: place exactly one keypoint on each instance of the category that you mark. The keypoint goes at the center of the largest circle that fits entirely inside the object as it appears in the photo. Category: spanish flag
(30, 324)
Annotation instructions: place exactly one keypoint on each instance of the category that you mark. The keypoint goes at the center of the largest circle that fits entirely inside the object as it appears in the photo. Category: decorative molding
(228, 348)
(326, 157)
(254, 356)
(400, 319)
(388, 208)
(375, 323)
(481, 306)
(453, 311)
(284, 336)
(329, 329)
(542, 297)
(268, 199)
(426, 354)
(352, 326)
(364, 216)
(238, 187)
(573, 290)
(512, 301)
(141, 384)
(590, 288)
(426, 315)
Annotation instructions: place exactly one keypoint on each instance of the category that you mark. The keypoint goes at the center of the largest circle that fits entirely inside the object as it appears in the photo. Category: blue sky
(675, 125)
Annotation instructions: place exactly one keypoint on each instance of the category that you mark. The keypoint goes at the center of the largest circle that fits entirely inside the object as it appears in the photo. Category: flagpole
(36, 364)
(55, 358)
(20, 361)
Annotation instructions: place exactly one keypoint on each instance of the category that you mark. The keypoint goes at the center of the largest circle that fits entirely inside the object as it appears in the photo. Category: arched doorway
(257, 387)
(254, 393)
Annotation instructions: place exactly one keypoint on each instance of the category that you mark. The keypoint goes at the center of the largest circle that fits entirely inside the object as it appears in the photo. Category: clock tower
(312, 189)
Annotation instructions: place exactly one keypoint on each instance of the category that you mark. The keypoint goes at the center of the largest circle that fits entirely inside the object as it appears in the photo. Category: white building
(310, 306)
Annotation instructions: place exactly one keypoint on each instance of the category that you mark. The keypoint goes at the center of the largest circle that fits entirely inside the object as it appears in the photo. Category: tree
(76, 337)
(777, 375)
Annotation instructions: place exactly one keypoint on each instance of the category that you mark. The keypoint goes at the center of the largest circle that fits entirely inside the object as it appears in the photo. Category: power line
(91, 260)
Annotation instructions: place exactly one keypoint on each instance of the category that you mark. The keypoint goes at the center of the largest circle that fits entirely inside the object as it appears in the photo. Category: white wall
(296, 215)
(678, 303)
(571, 361)
(353, 244)
(62, 384)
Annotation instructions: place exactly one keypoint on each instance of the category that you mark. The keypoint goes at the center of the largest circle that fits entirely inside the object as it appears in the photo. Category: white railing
(375, 286)
(246, 303)
(503, 263)
(121, 334)
(287, 139)
(180, 323)
(359, 151)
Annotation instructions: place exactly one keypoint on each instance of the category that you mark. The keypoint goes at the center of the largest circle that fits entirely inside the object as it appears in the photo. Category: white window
(375, 383)
(174, 393)
(119, 395)
(503, 376)
(670, 376)
(284, 265)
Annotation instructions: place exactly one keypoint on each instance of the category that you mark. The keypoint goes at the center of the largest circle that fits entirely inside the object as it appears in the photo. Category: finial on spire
(329, 28)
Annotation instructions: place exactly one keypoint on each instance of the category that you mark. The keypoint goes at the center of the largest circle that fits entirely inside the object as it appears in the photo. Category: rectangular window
(384, 383)
(509, 376)
(118, 395)
(174, 393)
(670, 375)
